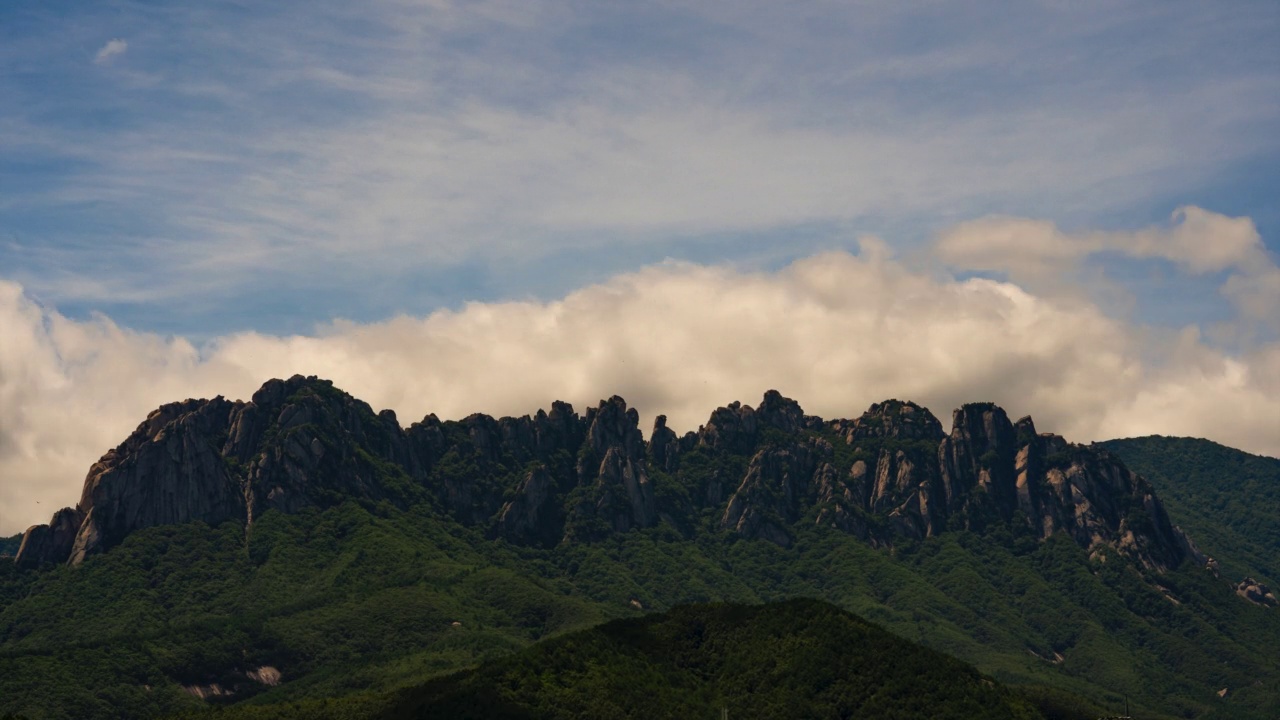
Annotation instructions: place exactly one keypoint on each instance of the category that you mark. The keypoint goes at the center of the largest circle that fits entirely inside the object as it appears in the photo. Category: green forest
(356, 600)
(1229, 501)
(369, 609)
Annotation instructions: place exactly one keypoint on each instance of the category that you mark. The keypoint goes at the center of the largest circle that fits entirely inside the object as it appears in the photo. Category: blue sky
(206, 168)
(1069, 208)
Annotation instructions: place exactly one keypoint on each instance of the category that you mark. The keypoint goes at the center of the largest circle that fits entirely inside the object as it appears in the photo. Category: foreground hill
(797, 658)
(800, 658)
(301, 547)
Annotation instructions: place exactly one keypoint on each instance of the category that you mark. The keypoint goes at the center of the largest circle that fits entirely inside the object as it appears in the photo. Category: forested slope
(337, 558)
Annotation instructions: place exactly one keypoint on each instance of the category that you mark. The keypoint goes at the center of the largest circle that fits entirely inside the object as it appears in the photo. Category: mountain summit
(558, 476)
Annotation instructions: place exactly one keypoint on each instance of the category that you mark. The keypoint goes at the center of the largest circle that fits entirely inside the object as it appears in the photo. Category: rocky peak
(982, 428)
(50, 543)
(731, 428)
(612, 465)
(735, 428)
(781, 413)
(561, 428)
(664, 445)
(977, 463)
(1024, 429)
(275, 392)
(612, 424)
(168, 471)
(891, 419)
(556, 475)
(216, 460)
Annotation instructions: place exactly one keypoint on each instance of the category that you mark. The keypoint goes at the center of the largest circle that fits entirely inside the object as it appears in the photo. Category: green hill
(1228, 500)
(799, 658)
(362, 600)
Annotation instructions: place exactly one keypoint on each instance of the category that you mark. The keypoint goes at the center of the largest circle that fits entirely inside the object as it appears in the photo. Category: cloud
(1201, 241)
(110, 51)
(495, 132)
(836, 331)
(1198, 241)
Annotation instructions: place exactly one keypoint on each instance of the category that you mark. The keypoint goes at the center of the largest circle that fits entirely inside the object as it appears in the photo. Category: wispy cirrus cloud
(393, 139)
(114, 48)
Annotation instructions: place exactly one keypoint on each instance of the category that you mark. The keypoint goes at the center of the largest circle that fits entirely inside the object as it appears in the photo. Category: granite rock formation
(558, 476)
(1256, 592)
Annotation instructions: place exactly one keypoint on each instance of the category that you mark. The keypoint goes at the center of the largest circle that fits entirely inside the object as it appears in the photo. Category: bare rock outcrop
(169, 471)
(908, 478)
(1256, 592)
(613, 473)
(895, 472)
(298, 442)
(772, 493)
(558, 476)
(50, 543)
(535, 516)
(664, 446)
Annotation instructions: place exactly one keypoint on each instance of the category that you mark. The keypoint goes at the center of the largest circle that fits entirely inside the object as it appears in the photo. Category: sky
(1069, 208)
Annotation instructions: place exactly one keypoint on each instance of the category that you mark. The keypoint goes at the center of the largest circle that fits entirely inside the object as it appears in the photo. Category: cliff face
(215, 460)
(559, 476)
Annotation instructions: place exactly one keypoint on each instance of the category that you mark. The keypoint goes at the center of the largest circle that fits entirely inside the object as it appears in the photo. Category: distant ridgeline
(560, 477)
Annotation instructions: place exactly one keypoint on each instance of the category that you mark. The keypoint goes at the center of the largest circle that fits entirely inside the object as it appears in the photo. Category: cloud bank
(836, 331)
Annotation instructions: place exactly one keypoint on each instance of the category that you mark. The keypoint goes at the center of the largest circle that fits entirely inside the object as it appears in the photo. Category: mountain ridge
(363, 595)
(557, 476)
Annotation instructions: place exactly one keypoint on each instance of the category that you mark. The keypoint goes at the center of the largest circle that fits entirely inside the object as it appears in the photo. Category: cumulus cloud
(1038, 254)
(111, 50)
(835, 331)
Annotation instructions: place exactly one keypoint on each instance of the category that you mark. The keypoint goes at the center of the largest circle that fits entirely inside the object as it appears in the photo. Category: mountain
(559, 477)
(9, 545)
(302, 548)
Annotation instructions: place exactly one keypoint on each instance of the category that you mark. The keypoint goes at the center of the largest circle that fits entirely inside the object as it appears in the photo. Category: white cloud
(835, 331)
(1201, 241)
(1038, 254)
(111, 50)
(1021, 248)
